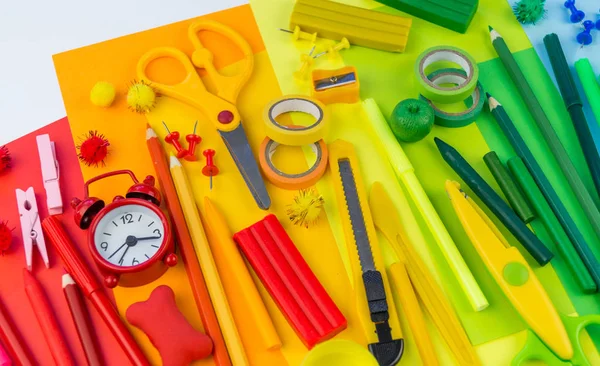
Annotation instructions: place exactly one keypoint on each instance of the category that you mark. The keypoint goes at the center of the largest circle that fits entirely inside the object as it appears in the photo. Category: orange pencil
(47, 321)
(203, 302)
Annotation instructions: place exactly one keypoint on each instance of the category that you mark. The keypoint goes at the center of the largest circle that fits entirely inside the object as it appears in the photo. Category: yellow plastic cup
(339, 352)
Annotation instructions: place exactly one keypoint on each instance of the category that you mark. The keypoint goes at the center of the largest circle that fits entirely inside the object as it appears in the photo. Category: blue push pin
(576, 14)
(585, 38)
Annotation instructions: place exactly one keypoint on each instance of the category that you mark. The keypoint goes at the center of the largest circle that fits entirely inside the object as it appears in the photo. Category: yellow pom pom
(306, 208)
(141, 97)
(102, 94)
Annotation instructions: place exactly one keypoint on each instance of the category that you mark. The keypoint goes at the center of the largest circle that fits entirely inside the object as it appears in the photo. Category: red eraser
(175, 339)
(290, 281)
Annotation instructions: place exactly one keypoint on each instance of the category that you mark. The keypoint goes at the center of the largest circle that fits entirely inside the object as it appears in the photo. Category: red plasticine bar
(290, 281)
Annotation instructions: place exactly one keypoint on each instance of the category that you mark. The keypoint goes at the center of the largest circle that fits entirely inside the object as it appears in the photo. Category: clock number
(127, 218)
(157, 232)
(135, 262)
(104, 245)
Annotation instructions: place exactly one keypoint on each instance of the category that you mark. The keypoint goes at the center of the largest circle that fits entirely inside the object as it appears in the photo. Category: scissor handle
(106, 175)
(535, 350)
(170, 52)
(575, 325)
(223, 114)
(227, 87)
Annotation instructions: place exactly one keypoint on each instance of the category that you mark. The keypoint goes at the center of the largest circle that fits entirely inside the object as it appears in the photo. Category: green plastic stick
(560, 238)
(511, 133)
(510, 189)
(540, 118)
(570, 95)
(590, 86)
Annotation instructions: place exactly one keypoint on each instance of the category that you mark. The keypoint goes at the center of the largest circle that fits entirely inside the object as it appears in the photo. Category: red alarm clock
(130, 239)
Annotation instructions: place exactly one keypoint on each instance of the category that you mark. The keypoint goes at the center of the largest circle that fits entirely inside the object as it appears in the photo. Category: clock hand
(149, 238)
(116, 251)
(123, 256)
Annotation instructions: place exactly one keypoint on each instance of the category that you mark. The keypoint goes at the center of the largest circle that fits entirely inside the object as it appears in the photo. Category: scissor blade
(239, 148)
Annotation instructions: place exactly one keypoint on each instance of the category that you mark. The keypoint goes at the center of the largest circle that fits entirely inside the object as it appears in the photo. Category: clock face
(129, 235)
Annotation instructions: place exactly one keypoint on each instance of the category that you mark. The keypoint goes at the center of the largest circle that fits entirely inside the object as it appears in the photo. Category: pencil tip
(67, 280)
(490, 28)
(174, 161)
(150, 133)
(439, 143)
(488, 95)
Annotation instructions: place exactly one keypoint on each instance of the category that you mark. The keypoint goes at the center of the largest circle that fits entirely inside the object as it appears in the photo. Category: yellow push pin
(307, 61)
(299, 34)
(344, 44)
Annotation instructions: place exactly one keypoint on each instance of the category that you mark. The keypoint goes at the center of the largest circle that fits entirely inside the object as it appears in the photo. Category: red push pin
(210, 169)
(192, 140)
(173, 139)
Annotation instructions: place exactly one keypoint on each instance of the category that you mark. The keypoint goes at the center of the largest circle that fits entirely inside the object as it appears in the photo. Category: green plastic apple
(412, 120)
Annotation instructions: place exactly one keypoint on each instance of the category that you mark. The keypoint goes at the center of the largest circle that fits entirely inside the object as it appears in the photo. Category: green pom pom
(529, 11)
(102, 94)
(412, 120)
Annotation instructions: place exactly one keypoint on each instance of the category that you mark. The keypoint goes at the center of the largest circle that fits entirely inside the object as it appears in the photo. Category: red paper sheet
(26, 173)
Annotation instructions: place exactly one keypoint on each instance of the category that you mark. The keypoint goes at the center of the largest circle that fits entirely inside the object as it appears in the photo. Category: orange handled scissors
(220, 108)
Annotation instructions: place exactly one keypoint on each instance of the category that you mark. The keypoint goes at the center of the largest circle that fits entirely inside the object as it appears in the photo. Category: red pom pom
(5, 236)
(93, 149)
(4, 158)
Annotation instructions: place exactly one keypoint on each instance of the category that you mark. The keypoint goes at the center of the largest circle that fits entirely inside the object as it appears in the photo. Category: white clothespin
(31, 226)
(50, 174)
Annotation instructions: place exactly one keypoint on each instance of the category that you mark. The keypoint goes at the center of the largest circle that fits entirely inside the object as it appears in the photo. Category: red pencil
(91, 288)
(81, 318)
(47, 320)
(11, 339)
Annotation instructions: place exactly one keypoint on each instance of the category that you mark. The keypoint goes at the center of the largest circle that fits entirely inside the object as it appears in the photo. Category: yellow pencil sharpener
(336, 86)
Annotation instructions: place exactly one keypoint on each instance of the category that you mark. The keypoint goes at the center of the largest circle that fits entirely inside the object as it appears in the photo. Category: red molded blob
(175, 339)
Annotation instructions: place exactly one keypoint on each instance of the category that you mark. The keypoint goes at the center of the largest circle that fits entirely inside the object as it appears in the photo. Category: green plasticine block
(455, 15)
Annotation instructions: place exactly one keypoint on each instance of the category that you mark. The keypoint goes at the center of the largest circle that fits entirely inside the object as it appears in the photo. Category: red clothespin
(193, 140)
(173, 139)
(210, 169)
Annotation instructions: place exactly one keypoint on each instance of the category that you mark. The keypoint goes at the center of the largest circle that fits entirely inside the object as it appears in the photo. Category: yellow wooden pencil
(207, 263)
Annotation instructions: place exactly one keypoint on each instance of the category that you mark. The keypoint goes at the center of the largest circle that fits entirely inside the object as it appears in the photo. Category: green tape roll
(446, 54)
(474, 102)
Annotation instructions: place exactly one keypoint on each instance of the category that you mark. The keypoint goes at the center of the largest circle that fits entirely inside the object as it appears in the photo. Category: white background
(32, 31)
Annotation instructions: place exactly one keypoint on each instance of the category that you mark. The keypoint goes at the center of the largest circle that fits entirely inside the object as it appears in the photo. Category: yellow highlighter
(513, 274)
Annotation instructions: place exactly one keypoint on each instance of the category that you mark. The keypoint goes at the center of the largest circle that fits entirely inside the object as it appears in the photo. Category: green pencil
(574, 105)
(540, 118)
(505, 214)
(544, 212)
(579, 243)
